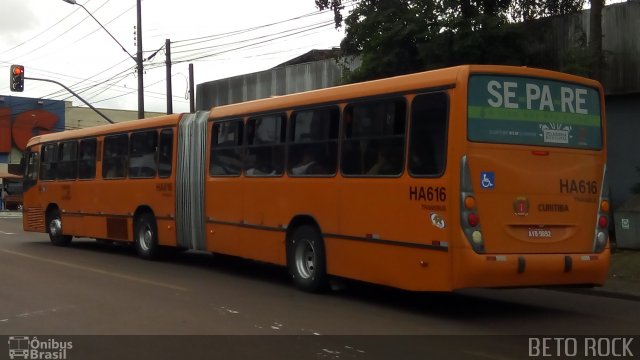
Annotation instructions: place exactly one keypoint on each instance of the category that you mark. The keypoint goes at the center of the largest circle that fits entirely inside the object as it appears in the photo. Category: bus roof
(124, 126)
(434, 79)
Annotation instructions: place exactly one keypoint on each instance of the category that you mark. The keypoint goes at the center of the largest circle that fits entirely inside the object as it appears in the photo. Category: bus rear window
(533, 111)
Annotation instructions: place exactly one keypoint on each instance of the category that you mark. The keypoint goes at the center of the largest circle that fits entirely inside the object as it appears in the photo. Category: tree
(595, 42)
(525, 10)
(401, 36)
(388, 34)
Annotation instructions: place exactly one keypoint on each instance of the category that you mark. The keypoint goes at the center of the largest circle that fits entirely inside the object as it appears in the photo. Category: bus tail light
(603, 222)
(601, 234)
(469, 218)
(473, 219)
(469, 202)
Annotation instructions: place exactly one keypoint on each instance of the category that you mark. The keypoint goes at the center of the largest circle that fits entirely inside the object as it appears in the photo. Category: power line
(236, 32)
(96, 88)
(244, 46)
(326, 22)
(89, 78)
(88, 34)
(131, 92)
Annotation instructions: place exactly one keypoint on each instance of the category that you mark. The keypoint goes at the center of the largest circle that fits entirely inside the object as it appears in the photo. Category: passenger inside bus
(386, 163)
(260, 161)
(310, 164)
(113, 165)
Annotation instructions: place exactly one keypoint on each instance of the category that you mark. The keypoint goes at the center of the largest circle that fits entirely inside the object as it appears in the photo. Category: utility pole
(595, 39)
(167, 47)
(192, 100)
(137, 59)
(139, 63)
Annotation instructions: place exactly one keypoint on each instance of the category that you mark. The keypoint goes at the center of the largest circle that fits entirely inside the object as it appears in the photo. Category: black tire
(306, 259)
(145, 236)
(54, 229)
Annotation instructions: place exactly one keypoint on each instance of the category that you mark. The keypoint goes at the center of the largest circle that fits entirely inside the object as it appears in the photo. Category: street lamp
(137, 59)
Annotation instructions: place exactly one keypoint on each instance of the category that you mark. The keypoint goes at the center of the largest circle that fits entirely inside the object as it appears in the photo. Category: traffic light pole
(76, 95)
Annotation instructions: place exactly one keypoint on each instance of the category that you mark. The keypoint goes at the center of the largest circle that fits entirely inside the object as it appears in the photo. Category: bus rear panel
(533, 193)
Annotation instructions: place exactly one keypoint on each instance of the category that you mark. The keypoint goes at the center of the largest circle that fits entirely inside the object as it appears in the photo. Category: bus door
(33, 207)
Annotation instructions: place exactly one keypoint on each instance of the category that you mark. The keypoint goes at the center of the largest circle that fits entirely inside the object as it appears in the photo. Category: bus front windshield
(533, 111)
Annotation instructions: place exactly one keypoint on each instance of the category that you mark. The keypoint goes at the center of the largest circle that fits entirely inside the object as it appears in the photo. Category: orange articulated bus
(472, 176)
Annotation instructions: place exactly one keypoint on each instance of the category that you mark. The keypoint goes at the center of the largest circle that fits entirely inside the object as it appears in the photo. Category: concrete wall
(561, 43)
(621, 44)
(278, 81)
(81, 117)
(623, 145)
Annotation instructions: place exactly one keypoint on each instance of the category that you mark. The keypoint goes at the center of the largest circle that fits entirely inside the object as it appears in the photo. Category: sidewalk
(5, 214)
(624, 276)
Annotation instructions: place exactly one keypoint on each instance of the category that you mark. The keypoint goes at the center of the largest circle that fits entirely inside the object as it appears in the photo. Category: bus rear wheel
(54, 228)
(146, 236)
(306, 259)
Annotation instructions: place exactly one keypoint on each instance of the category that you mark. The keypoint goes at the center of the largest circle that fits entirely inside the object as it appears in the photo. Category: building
(21, 118)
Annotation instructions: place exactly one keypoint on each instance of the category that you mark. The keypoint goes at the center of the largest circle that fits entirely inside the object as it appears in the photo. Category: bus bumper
(472, 270)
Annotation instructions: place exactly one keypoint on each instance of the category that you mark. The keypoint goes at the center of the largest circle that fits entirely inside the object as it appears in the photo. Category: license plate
(539, 233)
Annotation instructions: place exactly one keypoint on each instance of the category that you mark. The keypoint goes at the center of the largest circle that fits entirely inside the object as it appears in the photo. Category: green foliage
(396, 37)
(525, 10)
(387, 34)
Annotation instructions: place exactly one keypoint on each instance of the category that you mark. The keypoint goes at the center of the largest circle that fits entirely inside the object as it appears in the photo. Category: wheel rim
(145, 237)
(305, 259)
(55, 227)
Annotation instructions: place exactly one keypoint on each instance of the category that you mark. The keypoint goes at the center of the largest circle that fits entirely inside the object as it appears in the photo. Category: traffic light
(17, 78)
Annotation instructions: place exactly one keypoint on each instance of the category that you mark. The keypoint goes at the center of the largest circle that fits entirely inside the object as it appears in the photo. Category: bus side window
(67, 160)
(226, 148)
(428, 140)
(48, 162)
(313, 146)
(265, 145)
(87, 161)
(374, 133)
(142, 154)
(114, 159)
(165, 153)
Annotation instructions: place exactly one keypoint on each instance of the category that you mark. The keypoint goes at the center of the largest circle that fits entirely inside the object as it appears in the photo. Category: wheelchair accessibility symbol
(487, 179)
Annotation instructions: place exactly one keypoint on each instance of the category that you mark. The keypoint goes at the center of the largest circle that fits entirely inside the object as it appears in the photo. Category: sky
(60, 41)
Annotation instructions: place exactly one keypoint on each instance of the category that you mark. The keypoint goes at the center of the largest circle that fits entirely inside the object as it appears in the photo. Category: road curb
(10, 215)
(602, 293)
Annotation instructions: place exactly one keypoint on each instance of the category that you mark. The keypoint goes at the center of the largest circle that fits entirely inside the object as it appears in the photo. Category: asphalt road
(93, 288)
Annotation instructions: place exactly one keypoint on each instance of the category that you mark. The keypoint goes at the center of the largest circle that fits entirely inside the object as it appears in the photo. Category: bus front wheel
(54, 228)
(146, 236)
(306, 259)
